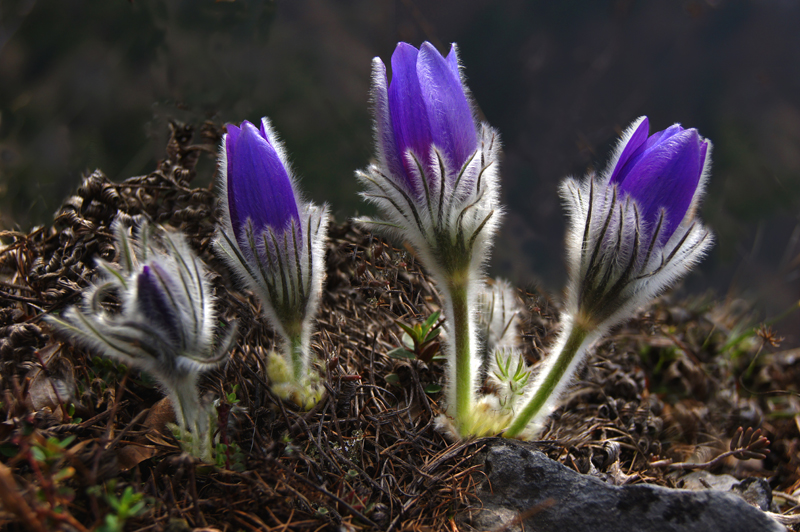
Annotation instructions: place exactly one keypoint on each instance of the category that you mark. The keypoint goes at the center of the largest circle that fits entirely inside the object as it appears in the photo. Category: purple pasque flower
(436, 175)
(632, 234)
(166, 323)
(275, 244)
(273, 239)
(428, 107)
(258, 183)
(436, 184)
(633, 230)
(661, 171)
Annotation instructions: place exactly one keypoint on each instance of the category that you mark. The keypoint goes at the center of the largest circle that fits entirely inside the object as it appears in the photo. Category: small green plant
(513, 383)
(227, 454)
(49, 451)
(420, 340)
(230, 398)
(129, 504)
(46, 457)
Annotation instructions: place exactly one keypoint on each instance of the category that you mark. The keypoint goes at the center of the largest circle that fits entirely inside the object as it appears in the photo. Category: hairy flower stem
(457, 297)
(192, 420)
(297, 355)
(573, 348)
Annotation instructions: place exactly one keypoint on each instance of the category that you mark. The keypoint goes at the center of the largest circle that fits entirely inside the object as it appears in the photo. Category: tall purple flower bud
(428, 106)
(259, 187)
(661, 171)
(435, 182)
(633, 230)
(632, 234)
(275, 243)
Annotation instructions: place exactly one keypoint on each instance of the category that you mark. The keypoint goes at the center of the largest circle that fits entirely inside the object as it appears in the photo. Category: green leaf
(392, 378)
(401, 353)
(433, 388)
(427, 324)
(66, 441)
(502, 366)
(433, 318)
(38, 454)
(409, 330)
(433, 334)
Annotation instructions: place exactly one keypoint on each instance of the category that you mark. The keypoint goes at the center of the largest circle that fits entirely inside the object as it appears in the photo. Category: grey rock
(754, 490)
(522, 484)
(703, 480)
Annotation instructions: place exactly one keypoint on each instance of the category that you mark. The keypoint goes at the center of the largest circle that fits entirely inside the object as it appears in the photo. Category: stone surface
(754, 490)
(550, 497)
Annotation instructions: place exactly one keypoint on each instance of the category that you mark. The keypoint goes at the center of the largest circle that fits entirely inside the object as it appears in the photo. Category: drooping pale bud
(166, 325)
(436, 183)
(275, 243)
(632, 234)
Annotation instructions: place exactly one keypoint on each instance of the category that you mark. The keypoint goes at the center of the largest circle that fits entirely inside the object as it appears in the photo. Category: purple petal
(703, 155)
(155, 300)
(631, 147)
(408, 112)
(230, 138)
(452, 60)
(666, 176)
(259, 188)
(452, 125)
(387, 146)
(661, 136)
(655, 138)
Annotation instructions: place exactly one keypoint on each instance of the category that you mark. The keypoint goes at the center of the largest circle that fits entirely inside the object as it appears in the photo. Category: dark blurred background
(92, 84)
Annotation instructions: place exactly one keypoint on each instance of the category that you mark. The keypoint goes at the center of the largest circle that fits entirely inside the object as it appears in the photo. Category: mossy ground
(78, 431)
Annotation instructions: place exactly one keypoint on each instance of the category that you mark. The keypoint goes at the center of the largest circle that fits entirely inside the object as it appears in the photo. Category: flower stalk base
(457, 296)
(304, 389)
(193, 422)
(548, 384)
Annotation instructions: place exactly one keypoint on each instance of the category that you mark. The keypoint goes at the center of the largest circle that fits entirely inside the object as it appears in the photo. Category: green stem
(555, 373)
(461, 329)
(297, 357)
